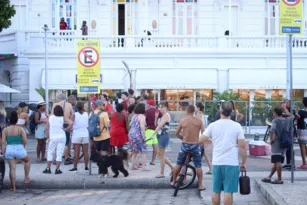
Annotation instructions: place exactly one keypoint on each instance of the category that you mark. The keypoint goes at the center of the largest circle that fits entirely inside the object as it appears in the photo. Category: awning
(6, 89)
(265, 79)
(176, 78)
(66, 79)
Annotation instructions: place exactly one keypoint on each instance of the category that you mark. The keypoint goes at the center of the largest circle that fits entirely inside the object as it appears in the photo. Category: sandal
(152, 163)
(266, 180)
(28, 180)
(208, 173)
(277, 182)
(38, 160)
(302, 166)
(159, 176)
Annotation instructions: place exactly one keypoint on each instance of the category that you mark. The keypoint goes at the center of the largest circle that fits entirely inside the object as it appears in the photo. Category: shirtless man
(68, 122)
(191, 127)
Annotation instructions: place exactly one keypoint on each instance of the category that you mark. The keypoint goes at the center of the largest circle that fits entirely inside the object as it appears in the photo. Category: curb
(270, 195)
(93, 183)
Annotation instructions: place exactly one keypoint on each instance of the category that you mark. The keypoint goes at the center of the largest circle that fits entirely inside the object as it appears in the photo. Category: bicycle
(186, 171)
(71, 154)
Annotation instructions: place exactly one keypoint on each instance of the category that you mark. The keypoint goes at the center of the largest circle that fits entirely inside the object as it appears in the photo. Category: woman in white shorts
(80, 136)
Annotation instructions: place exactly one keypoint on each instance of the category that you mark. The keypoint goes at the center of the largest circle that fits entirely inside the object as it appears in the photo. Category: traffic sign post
(88, 73)
(291, 18)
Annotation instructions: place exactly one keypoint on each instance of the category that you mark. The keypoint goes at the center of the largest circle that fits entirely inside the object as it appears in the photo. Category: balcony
(66, 41)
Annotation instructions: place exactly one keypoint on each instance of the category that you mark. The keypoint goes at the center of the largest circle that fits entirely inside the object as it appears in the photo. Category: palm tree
(41, 92)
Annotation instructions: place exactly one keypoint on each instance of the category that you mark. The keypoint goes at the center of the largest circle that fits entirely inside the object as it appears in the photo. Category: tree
(7, 11)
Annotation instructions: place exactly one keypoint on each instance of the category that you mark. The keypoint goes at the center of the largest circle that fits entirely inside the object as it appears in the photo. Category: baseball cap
(22, 104)
(151, 102)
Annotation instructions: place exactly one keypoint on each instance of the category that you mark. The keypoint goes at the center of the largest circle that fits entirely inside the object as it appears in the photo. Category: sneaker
(100, 175)
(86, 170)
(74, 170)
(68, 162)
(47, 171)
(58, 171)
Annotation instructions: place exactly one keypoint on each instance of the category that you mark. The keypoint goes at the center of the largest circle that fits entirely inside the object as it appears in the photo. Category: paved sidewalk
(287, 193)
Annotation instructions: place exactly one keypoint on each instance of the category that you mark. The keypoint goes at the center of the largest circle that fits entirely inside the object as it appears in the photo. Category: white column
(284, 93)
(230, 18)
(276, 19)
(305, 93)
(251, 100)
(19, 15)
(268, 93)
(159, 96)
(27, 14)
(146, 19)
(269, 17)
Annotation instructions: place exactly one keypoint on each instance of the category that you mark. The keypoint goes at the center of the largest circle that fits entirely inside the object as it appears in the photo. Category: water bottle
(257, 137)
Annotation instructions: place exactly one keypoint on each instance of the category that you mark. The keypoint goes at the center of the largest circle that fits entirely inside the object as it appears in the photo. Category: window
(177, 99)
(204, 95)
(66, 9)
(297, 95)
(259, 94)
(271, 17)
(243, 94)
(185, 17)
(277, 95)
(131, 16)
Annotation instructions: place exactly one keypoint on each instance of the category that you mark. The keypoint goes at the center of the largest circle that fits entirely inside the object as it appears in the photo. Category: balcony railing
(57, 41)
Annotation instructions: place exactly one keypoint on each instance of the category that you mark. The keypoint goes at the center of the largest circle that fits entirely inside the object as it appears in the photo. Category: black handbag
(2, 171)
(244, 182)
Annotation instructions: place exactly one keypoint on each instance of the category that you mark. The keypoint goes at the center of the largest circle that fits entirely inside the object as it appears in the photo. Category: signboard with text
(291, 17)
(88, 66)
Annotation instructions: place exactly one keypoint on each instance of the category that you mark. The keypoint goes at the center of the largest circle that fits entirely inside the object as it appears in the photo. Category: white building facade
(187, 49)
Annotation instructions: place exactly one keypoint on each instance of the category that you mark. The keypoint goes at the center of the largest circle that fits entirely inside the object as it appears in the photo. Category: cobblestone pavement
(115, 197)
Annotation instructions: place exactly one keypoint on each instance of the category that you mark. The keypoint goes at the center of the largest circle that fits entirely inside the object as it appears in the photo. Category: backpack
(33, 124)
(286, 138)
(94, 125)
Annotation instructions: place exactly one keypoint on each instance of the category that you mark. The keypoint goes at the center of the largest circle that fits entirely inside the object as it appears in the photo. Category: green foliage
(7, 11)
(211, 108)
(41, 92)
(263, 109)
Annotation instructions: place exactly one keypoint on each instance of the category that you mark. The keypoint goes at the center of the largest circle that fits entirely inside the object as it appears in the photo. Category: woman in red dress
(119, 134)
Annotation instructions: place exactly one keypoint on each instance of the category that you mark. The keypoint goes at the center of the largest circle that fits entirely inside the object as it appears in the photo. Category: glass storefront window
(177, 99)
(202, 95)
(243, 94)
(259, 94)
(298, 95)
(152, 94)
(277, 95)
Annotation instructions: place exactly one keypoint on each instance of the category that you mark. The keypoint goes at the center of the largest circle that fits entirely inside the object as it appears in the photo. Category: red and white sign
(291, 2)
(88, 57)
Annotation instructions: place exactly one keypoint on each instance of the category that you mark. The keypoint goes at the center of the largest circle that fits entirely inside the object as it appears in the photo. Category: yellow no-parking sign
(88, 66)
(291, 17)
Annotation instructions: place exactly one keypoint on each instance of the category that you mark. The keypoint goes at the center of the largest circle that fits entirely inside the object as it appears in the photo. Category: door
(234, 30)
(121, 19)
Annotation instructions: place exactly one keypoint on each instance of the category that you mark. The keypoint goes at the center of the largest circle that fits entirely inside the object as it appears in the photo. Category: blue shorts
(163, 140)
(15, 151)
(194, 149)
(225, 178)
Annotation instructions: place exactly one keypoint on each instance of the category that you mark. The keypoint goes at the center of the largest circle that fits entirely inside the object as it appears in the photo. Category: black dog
(114, 161)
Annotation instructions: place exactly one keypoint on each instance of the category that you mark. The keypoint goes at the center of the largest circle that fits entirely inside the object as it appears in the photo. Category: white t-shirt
(56, 127)
(80, 125)
(225, 135)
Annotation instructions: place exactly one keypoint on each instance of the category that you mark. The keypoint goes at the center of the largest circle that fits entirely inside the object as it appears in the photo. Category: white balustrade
(66, 41)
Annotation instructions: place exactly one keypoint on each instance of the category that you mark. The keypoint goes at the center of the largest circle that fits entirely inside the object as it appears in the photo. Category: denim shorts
(163, 140)
(225, 178)
(194, 149)
(15, 151)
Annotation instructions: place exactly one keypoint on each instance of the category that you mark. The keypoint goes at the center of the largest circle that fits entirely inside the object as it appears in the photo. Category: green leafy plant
(41, 92)
(7, 11)
(263, 109)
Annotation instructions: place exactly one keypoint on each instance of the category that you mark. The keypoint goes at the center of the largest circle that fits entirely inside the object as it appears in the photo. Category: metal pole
(289, 93)
(46, 70)
(90, 145)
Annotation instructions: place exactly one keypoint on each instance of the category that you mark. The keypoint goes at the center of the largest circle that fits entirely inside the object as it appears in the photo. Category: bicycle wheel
(189, 177)
(177, 185)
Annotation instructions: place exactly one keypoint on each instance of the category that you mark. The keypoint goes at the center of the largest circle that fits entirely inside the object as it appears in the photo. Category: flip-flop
(277, 182)
(159, 177)
(302, 166)
(38, 160)
(208, 173)
(152, 163)
(200, 190)
(145, 170)
(27, 181)
(266, 180)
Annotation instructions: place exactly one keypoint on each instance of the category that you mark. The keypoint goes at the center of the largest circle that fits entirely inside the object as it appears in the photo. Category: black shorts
(103, 145)
(277, 159)
(67, 136)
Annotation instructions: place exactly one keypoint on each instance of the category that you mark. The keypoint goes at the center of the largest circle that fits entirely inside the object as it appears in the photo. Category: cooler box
(257, 148)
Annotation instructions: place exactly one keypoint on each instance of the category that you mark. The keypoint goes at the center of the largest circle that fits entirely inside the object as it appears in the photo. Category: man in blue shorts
(190, 127)
(227, 138)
